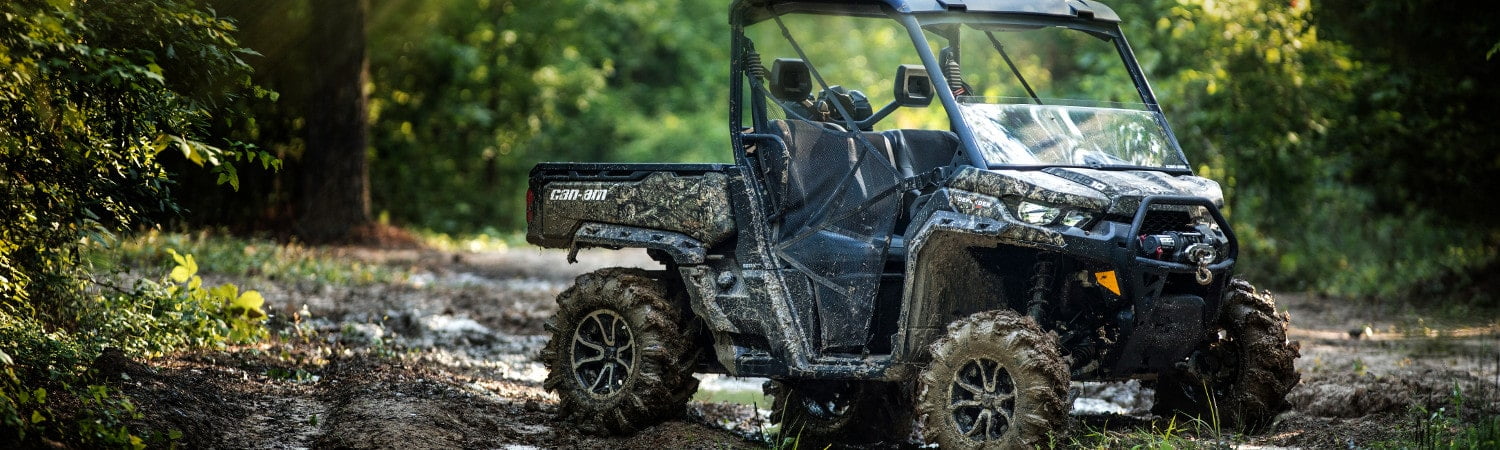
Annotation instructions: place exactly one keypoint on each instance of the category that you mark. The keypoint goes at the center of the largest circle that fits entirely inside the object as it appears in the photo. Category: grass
(220, 253)
(1479, 428)
(1167, 433)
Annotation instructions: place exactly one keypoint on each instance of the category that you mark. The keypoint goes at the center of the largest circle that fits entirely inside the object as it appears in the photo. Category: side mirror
(791, 80)
(913, 85)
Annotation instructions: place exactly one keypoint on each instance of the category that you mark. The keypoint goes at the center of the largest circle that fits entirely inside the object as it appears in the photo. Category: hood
(1115, 192)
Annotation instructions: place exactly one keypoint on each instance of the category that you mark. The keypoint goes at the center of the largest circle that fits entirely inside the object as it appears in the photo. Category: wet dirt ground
(446, 358)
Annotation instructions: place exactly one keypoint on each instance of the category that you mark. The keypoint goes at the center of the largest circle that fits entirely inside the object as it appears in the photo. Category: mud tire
(981, 345)
(1250, 388)
(819, 414)
(658, 380)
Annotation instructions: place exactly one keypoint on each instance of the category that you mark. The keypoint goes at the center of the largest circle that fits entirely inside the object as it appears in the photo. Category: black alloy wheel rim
(982, 400)
(603, 353)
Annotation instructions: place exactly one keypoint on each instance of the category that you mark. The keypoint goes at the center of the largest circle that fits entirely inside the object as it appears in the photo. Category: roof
(1084, 9)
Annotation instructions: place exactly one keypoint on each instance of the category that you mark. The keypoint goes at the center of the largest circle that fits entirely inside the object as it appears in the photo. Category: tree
(335, 197)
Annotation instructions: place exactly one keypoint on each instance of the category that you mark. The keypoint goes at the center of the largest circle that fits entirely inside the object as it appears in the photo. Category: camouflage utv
(940, 212)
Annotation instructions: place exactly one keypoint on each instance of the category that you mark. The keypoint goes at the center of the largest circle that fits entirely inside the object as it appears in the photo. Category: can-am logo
(579, 194)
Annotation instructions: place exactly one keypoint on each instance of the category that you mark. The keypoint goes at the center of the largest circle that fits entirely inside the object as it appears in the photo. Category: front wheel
(996, 381)
(1255, 366)
(619, 354)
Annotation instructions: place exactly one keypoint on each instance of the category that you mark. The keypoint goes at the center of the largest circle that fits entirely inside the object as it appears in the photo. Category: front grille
(1159, 221)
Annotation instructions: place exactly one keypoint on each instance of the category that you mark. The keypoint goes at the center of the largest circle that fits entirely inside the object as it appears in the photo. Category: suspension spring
(754, 67)
(1041, 288)
(955, 77)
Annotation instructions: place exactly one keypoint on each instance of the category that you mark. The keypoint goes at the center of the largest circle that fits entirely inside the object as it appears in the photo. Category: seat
(915, 152)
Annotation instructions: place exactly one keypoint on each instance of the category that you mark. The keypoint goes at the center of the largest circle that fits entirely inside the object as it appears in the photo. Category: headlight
(1036, 213)
(1043, 214)
(1075, 218)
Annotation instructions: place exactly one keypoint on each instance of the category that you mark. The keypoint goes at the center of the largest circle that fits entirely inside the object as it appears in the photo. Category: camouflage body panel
(694, 205)
(1125, 189)
(1029, 185)
(1112, 192)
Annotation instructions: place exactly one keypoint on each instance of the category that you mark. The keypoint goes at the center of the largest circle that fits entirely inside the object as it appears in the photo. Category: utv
(939, 213)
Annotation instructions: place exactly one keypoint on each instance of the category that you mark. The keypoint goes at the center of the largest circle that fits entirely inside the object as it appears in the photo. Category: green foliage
(180, 312)
(470, 94)
(93, 93)
(485, 240)
(1333, 184)
(156, 317)
(1163, 435)
(467, 95)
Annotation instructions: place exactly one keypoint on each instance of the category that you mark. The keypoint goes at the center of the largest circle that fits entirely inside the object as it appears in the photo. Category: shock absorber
(1041, 288)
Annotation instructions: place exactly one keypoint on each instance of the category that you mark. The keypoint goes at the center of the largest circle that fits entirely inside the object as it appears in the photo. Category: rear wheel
(619, 354)
(996, 381)
(1255, 366)
(820, 413)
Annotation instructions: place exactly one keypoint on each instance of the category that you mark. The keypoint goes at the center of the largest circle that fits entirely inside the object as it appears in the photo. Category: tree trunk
(335, 196)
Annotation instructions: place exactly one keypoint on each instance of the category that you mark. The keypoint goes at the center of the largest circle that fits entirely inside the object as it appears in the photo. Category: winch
(1199, 248)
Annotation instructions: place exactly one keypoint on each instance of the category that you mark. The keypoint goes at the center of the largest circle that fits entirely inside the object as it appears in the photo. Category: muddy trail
(446, 357)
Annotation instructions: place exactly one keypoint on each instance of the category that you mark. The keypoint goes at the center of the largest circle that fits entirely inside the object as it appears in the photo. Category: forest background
(1356, 141)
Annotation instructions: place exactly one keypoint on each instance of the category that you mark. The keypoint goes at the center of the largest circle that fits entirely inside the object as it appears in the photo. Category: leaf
(180, 274)
(5, 359)
(227, 174)
(36, 417)
(250, 302)
(185, 269)
(175, 256)
(188, 151)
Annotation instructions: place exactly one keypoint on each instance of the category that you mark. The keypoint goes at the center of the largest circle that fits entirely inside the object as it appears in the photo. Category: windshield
(1031, 134)
(1042, 95)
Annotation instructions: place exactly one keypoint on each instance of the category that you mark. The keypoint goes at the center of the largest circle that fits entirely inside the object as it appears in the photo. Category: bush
(92, 93)
(155, 317)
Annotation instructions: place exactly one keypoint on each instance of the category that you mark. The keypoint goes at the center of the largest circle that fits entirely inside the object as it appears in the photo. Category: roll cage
(913, 15)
